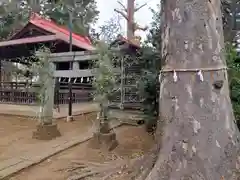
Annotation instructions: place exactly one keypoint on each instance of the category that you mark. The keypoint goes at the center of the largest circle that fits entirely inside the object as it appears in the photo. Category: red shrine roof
(52, 27)
(56, 33)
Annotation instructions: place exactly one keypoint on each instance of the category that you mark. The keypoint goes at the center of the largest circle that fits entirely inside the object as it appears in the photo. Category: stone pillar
(46, 129)
(48, 104)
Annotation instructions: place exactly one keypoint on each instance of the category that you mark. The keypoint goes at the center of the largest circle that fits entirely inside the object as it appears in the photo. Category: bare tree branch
(124, 7)
(140, 7)
(122, 13)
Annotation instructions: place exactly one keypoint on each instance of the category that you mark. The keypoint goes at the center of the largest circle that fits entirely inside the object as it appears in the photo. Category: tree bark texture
(200, 139)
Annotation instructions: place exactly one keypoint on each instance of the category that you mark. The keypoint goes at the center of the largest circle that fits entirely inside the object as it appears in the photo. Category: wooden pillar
(1, 93)
(56, 94)
(69, 117)
(1, 72)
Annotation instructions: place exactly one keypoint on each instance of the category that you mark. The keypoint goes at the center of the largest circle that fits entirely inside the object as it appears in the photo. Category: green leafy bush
(149, 86)
(234, 80)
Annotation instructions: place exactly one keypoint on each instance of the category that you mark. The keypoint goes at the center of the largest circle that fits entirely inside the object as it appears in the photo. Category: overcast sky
(143, 16)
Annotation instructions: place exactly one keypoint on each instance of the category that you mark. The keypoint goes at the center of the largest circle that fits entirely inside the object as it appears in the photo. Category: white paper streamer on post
(160, 77)
(81, 79)
(175, 78)
(75, 80)
(59, 80)
(69, 79)
(98, 115)
(200, 75)
(87, 79)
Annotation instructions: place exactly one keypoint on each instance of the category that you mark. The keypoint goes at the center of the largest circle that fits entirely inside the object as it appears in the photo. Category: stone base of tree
(151, 125)
(106, 141)
(46, 132)
(104, 127)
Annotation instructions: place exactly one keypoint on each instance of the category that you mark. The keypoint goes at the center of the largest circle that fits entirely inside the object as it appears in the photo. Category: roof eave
(29, 40)
(76, 43)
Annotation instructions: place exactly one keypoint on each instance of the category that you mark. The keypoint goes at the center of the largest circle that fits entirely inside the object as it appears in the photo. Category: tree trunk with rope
(200, 140)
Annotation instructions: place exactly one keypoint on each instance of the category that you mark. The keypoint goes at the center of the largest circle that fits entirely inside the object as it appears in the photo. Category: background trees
(15, 14)
(230, 10)
(150, 58)
(84, 14)
(234, 80)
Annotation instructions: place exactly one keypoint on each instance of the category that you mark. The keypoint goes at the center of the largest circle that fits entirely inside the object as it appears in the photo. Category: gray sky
(143, 16)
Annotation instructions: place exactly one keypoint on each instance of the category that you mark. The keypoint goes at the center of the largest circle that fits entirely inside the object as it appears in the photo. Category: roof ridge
(37, 19)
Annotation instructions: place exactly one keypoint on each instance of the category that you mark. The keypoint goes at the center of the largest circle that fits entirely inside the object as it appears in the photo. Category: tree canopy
(14, 14)
(230, 16)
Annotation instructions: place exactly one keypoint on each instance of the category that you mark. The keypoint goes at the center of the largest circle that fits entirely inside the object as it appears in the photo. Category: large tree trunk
(200, 139)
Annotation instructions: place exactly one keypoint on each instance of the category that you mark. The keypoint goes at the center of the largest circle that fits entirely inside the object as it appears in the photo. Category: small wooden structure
(126, 69)
(130, 70)
(75, 67)
(20, 48)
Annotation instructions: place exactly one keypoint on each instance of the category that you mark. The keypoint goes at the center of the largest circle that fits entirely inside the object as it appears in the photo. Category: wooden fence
(81, 92)
(26, 94)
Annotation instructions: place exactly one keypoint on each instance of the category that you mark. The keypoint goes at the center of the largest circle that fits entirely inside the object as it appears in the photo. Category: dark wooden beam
(31, 40)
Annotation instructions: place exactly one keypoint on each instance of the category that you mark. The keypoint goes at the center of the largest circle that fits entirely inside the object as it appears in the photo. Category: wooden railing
(25, 93)
(81, 92)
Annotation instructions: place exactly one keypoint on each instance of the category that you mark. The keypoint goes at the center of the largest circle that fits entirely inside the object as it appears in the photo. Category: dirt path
(133, 142)
(16, 132)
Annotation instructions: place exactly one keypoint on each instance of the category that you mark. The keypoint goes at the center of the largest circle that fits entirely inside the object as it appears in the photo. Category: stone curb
(22, 162)
(56, 117)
